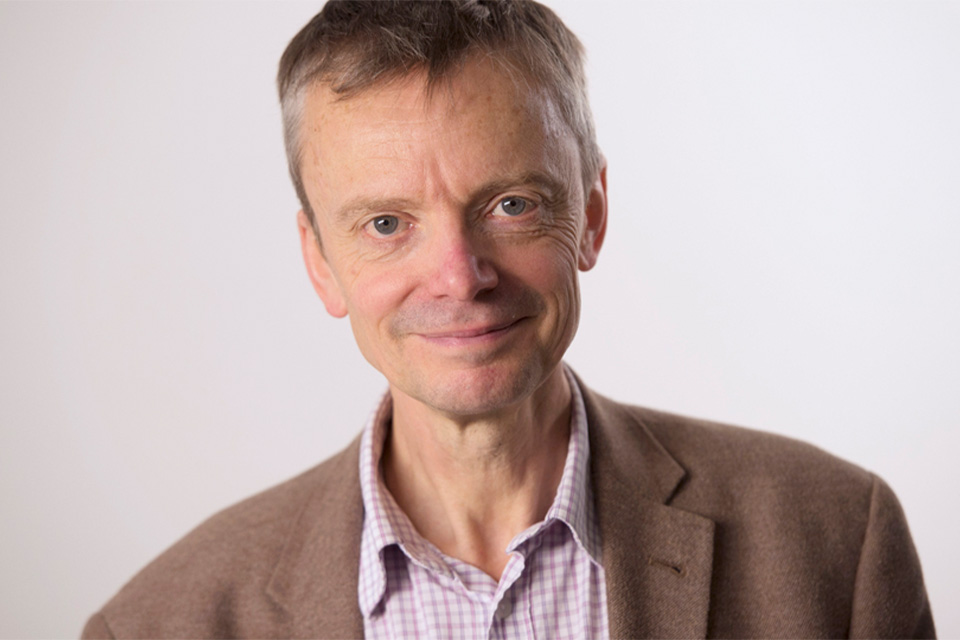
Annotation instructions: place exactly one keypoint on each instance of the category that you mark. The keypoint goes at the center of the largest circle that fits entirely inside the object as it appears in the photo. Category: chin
(480, 390)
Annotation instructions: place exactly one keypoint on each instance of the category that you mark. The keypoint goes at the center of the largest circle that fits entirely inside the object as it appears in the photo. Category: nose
(459, 270)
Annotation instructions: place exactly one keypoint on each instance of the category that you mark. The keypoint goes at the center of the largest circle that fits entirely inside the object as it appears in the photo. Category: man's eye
(385, 225)
(513, 206)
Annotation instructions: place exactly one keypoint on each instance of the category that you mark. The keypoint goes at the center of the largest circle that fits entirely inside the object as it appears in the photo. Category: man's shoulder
(217, 577)
(723, 450)
(726, 464)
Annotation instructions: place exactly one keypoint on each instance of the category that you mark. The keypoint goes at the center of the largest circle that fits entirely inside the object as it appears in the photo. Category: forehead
(486, 83)
(403, 128)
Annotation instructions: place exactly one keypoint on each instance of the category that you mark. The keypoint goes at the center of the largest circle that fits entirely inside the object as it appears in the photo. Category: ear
(321, 276)
(596, 214)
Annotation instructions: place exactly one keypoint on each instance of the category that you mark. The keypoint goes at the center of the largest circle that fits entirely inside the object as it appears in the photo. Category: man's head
(455, 211)
(353, 45)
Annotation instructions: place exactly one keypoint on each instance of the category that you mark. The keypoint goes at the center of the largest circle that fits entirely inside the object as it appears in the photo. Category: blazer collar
(658, 559)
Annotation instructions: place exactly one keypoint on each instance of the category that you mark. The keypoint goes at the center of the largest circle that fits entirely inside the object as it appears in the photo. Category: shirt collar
(573, 503)
(385, 524)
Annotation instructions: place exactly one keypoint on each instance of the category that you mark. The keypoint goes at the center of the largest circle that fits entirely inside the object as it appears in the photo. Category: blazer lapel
(657, 559)
(315, 579)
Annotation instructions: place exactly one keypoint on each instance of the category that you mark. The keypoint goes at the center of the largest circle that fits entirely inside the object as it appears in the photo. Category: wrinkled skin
(453, 225)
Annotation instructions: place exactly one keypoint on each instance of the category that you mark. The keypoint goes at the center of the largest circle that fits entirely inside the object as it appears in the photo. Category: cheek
(550, 269)
(558, 257)
(366, 285)
(374, 296)
(558, 275)
(373, 299)
(378, 292)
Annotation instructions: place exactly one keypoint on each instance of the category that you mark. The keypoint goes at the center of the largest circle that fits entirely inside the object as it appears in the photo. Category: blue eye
(513, 206)
(386, 225)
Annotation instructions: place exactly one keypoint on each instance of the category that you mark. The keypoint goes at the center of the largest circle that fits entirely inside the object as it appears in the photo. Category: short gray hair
(352, 45)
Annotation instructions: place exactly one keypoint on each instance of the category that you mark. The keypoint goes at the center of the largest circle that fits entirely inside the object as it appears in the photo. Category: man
(451, 188)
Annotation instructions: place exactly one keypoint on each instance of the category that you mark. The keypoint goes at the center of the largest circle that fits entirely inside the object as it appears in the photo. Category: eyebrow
(554, 189)
(357, 207)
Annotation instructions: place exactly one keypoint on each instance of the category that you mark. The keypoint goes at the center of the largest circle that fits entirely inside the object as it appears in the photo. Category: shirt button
(504, 609)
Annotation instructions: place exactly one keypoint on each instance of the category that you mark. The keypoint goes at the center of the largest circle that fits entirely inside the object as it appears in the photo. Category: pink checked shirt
(553, 584)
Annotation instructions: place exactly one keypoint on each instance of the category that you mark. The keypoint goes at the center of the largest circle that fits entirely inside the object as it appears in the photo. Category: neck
(470, 485)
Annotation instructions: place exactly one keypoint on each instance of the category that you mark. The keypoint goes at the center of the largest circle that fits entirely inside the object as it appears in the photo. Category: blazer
(707, 531)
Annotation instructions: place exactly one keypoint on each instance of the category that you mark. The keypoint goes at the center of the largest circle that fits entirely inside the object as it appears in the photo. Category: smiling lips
(472, 334)
(453, 323)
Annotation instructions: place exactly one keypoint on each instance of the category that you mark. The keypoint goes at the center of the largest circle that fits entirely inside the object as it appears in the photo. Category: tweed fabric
(552, 586)
(709, 531)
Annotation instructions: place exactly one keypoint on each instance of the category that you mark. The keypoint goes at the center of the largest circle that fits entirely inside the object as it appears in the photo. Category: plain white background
(782, 253)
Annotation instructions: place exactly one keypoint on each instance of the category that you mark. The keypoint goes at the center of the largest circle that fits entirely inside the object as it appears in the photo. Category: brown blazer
(708, 531)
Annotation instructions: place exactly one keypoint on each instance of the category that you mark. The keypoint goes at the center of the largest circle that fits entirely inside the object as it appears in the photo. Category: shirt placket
(501, 609)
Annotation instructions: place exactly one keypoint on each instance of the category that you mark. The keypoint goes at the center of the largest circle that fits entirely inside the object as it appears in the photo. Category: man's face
(452, 229)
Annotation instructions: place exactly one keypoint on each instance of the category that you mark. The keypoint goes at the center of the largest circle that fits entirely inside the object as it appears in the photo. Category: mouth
(472, 335)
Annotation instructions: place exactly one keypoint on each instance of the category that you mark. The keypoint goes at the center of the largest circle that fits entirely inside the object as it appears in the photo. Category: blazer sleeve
(889, 599)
